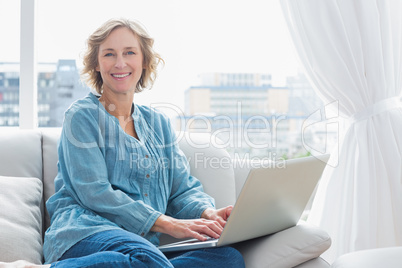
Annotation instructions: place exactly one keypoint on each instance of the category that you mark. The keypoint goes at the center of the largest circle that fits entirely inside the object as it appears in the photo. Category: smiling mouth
(121, 75)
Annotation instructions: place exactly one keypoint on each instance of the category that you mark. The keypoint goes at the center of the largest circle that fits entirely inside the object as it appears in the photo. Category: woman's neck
(117, 105)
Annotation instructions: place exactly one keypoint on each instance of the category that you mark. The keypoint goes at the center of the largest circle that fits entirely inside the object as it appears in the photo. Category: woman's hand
(197, 228)
(220, 215)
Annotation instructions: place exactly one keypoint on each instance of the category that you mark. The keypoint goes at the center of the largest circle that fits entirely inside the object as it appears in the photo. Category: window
(247, 42)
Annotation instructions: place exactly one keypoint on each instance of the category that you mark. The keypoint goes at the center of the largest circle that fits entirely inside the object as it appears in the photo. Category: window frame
(28, 104)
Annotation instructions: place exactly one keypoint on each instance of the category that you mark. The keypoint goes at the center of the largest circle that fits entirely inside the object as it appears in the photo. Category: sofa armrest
(287, 248)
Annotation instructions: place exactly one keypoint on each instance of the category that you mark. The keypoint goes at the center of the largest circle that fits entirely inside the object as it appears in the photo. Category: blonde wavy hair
(151, 58)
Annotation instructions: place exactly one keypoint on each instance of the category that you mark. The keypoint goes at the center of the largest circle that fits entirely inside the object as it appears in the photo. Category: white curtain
(351, 51)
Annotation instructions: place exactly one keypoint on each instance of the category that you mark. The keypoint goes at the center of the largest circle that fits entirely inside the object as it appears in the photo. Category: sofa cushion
(20, 219)
(287, 248)
(21, 153)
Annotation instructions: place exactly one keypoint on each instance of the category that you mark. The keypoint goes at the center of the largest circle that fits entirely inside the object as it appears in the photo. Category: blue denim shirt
(107, 179)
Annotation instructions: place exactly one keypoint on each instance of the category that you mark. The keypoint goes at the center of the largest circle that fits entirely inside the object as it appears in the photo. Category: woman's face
(120, 62)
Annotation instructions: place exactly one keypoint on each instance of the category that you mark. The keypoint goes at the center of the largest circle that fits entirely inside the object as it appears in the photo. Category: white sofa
(390, 257)
(28, 165)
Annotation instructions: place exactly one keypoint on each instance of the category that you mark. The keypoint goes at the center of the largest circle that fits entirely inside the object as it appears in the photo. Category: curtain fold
(351, 50)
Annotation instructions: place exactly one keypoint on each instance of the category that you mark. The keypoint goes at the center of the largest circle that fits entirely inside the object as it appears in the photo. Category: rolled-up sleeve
(188, 199)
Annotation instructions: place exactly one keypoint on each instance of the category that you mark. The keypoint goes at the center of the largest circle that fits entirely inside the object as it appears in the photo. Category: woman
(122, 180)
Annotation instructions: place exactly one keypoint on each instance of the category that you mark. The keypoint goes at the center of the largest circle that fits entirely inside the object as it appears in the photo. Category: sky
(193, 37)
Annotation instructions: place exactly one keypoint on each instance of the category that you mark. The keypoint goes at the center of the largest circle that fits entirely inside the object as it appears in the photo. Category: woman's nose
(120, 62)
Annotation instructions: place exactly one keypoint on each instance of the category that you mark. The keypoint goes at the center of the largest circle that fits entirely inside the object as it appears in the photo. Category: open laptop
(271, 200)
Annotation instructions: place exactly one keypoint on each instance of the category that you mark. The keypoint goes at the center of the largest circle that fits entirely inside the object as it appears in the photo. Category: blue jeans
(119, 248)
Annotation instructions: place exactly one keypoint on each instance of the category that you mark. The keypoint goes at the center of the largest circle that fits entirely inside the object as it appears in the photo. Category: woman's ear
(97, 68)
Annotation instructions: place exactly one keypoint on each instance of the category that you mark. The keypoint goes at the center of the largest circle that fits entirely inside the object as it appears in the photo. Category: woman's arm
(187, 199)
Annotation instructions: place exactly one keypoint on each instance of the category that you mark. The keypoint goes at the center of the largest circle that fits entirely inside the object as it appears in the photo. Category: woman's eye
(130, 53)
(108, 54)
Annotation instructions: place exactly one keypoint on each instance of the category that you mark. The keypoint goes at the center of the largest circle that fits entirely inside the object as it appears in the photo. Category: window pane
(9, 62)
(58, 86)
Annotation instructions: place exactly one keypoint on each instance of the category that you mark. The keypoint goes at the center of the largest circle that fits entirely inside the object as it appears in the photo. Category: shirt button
(147, 176)
(142, 234)
(146, 156)
(145, 195)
